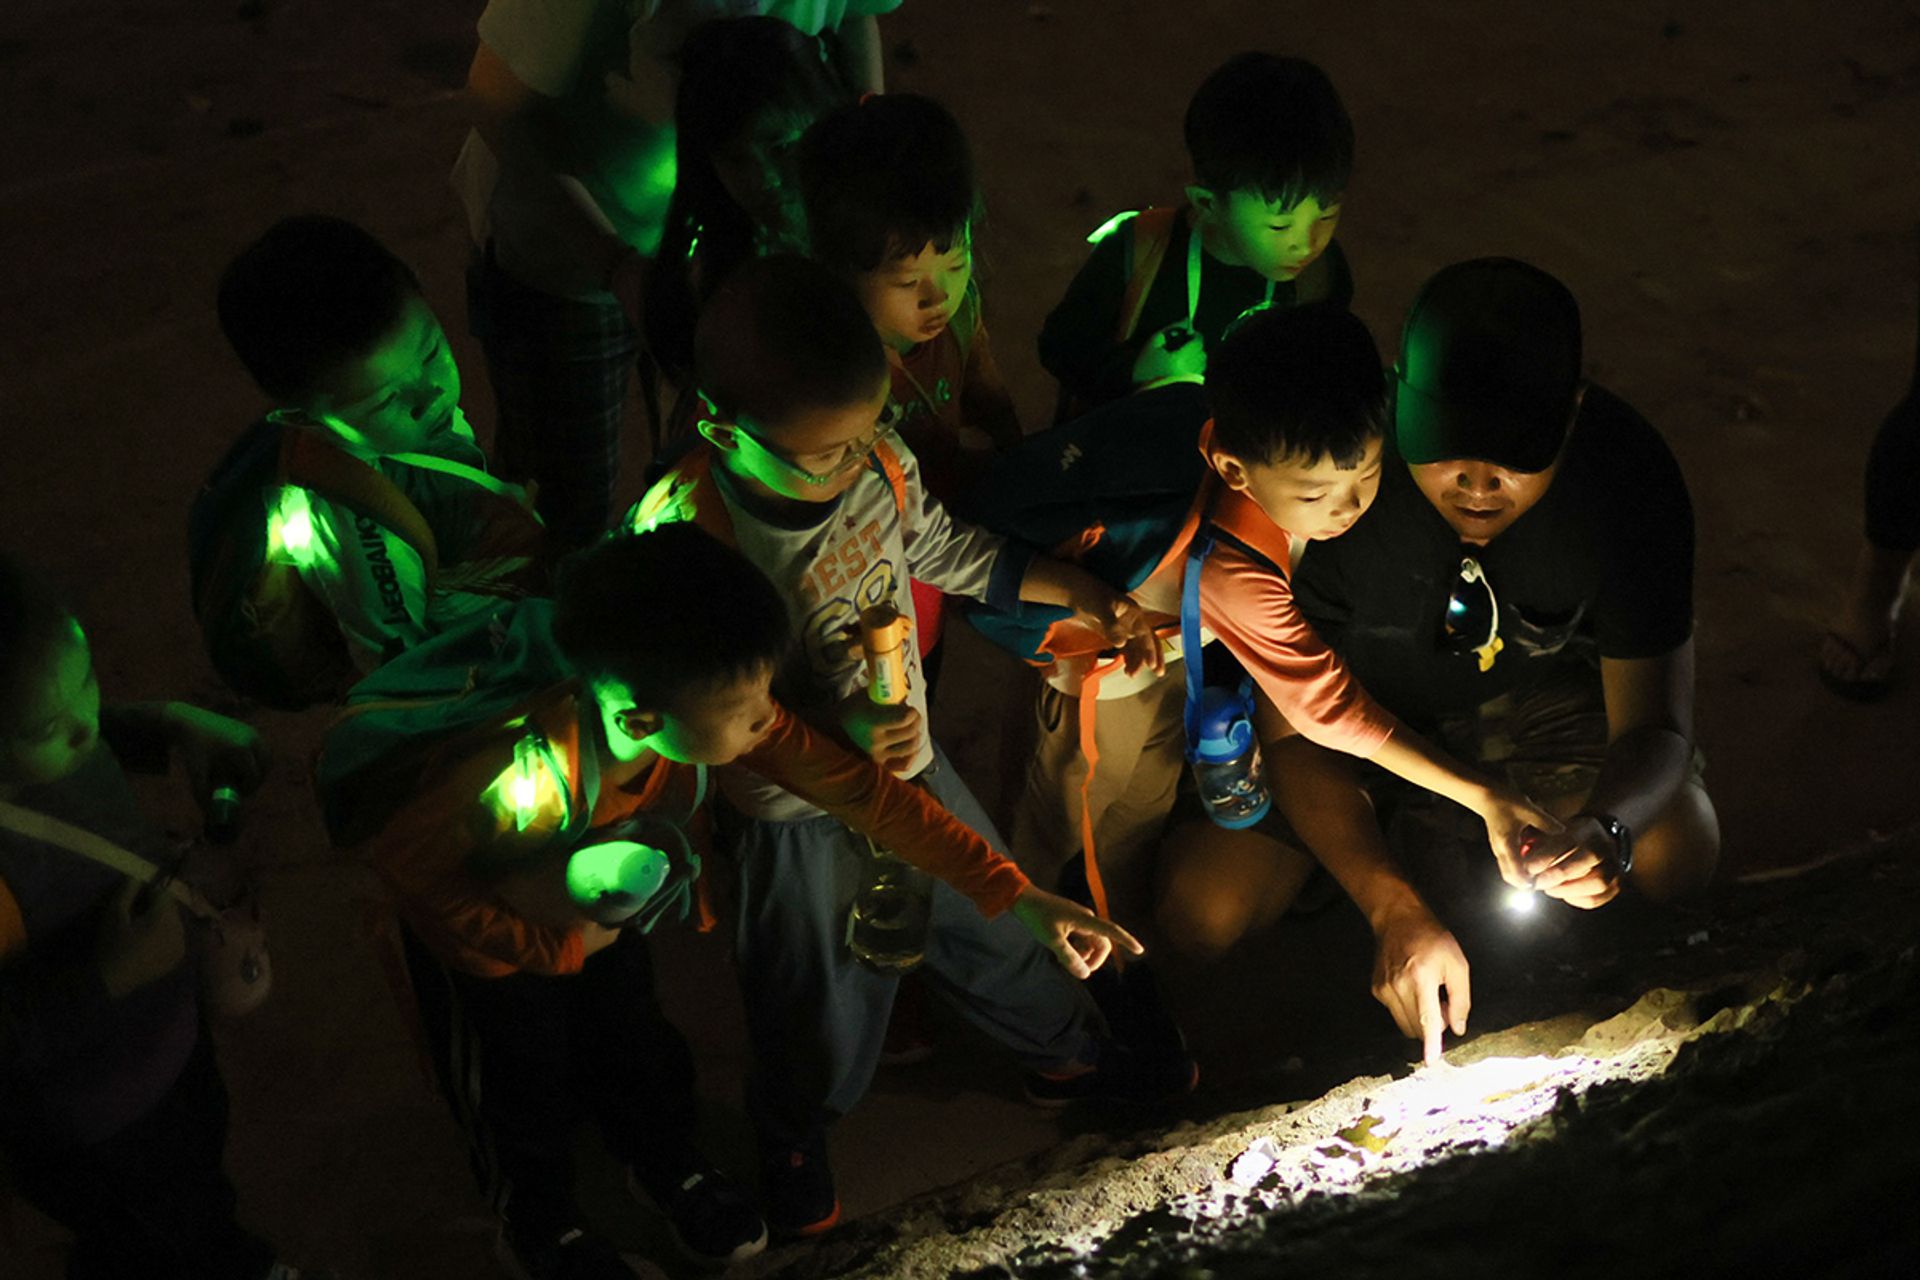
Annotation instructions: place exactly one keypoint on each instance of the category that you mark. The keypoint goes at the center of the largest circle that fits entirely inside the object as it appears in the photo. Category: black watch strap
(1621, 835)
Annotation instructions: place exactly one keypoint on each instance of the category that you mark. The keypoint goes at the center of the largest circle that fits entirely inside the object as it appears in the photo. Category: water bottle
(1226, 759)
(887, 925)
(611, 882)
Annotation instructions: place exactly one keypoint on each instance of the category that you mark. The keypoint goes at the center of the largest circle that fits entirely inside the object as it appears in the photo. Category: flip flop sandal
(1876, 668)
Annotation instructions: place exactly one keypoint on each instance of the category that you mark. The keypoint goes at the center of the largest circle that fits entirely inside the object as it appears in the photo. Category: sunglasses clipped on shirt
(1472, 621)
(857, 450)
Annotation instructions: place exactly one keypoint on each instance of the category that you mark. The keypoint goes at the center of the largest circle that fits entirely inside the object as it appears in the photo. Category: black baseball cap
(1489, 366)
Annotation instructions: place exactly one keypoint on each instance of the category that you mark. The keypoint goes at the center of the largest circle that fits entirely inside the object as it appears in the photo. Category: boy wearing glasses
(1523, 586)
(798, 470)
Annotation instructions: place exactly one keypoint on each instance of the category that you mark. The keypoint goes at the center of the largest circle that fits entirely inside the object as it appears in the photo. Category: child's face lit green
(1245, 229)
(59, 726)
(912, 298)
(400, 396)
(814, 456)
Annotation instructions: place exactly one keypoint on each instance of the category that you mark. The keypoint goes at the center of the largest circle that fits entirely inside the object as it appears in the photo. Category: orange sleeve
(13, 926)
(1251, 608)
(895, 814)
(424, 854)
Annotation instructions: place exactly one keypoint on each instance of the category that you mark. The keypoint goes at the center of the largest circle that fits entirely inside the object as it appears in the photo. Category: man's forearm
(1643, 770)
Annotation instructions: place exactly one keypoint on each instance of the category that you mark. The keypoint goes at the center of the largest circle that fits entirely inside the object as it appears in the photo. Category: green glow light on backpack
(518, 789)
(290, 528)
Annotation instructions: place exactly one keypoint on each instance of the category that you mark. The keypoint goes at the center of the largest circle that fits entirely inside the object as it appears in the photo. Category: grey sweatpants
(816, 1018)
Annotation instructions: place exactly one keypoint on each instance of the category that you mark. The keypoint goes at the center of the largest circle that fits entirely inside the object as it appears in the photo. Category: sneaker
(712, 1220)
(798, 1188)
(1122, 1075)
(1130, 998)
(573, 1255)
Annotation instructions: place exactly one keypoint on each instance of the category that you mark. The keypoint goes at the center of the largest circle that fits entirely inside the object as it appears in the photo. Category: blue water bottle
(1226, 758)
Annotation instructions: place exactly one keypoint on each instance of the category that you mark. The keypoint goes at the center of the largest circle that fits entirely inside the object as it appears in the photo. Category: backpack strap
(1197, 551)
(888, 464)
(50, 830)
(1152, 232)
(473, 475)
(310, 461)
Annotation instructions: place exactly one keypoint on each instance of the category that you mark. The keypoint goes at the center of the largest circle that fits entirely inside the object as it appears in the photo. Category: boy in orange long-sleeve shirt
(654, 662)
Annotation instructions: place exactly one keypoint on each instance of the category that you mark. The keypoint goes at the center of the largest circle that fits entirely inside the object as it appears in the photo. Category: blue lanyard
(1197, 552)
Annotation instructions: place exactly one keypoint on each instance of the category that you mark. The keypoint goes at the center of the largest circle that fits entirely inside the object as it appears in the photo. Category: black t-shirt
(1077, 342)
(1604, 559)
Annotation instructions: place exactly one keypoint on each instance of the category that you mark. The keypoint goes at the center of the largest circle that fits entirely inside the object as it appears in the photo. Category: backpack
(266, 633)
(422, 720)
(1114, 491)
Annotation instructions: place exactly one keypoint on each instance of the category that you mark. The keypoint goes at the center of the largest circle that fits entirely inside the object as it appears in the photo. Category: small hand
(1415, 960)
(1174, 352)
(1080, 940)
(217, 750)
(1124, 624)
(1513, 823)
(1577, 865)
(138, 943)
(891, 735)
(596, 937)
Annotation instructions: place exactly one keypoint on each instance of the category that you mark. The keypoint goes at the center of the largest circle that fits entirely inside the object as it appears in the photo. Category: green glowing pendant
(290, 528)
(612, 881)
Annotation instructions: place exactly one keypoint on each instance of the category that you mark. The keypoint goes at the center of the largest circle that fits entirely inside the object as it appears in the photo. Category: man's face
(400, 397)
(814, 456)
(59, 725)
(912, 297)
(1481, 500)
(1312, 501)
(1245, 229)
(713, 726)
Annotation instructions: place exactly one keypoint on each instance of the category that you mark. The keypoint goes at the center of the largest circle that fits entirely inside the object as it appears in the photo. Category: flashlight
(1521, 900)
(611, 882)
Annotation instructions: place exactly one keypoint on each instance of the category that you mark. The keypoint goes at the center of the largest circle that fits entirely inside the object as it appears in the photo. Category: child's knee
(1200, 919)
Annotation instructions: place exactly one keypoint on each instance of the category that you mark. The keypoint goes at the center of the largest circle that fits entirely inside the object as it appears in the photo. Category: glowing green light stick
(290, 528)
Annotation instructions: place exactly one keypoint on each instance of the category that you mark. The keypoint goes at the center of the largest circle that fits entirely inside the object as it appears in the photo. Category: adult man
(1522, 589)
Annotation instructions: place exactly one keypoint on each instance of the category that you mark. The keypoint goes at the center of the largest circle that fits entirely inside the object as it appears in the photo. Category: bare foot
(1856, 654)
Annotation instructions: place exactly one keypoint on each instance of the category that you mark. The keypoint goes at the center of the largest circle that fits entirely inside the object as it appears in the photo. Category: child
(1271, 151)
(113, 1116)
(749, 88)
(566, 178)
(891, 204)
(796, 469)
(334, 329)
(654, 661)
(1294, 456)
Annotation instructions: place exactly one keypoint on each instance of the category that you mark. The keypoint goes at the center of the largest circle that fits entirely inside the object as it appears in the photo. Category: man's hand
(1174, 352)
(1577, 865)
(1513, 824)
(216, 749)
(890, 734)
(1080, 940)
(1415, 960)
(137, 946)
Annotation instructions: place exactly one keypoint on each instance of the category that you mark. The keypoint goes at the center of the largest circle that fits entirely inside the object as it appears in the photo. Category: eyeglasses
(855, 455)
(1472, 621)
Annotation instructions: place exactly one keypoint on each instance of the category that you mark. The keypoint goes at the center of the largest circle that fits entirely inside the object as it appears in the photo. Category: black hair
(732, 72)
(33, 618)
(668, 612)
(309, 296)
(1273, 125)
(784, 335)
(884, 177)
(1301, 383)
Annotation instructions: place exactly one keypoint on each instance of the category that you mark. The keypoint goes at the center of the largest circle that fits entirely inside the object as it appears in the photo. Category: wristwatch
(1621, 835)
